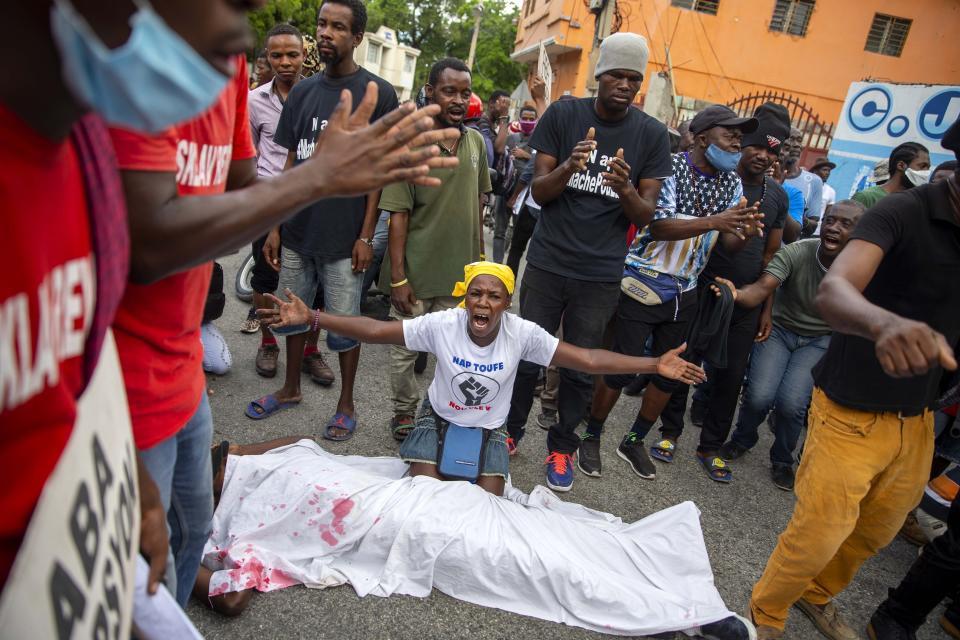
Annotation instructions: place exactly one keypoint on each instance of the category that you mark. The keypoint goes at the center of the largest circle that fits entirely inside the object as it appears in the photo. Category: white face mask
(917, 178)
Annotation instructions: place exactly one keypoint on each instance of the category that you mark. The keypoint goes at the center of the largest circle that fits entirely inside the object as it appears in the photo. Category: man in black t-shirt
(759, 150)
(891, 298)
(598, 168)
(329, 243)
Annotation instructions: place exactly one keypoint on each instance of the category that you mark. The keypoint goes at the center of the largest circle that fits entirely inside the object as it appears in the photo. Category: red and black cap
(773, 129)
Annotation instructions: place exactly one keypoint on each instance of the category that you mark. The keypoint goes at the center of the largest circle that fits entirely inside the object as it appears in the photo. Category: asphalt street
(741, 520)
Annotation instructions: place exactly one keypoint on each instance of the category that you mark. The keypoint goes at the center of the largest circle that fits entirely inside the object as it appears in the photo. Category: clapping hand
(581, 152)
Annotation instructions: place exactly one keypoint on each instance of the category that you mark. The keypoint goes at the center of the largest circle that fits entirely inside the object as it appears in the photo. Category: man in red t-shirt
(158, 324)
(64, 427)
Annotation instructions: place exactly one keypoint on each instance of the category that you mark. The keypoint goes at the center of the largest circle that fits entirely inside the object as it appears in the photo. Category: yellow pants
(860, 475)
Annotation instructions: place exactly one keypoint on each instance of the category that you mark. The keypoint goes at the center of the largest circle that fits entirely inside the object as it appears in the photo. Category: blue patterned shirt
(685, 195)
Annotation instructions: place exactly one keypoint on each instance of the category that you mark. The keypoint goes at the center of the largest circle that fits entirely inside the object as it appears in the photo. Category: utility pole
(477, 14)
(604, 11)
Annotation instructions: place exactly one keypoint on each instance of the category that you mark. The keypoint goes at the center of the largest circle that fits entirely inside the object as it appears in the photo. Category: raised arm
(904, 347)
(600, 361)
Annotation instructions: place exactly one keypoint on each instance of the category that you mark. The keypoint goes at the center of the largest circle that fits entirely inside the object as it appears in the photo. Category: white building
(380, 53)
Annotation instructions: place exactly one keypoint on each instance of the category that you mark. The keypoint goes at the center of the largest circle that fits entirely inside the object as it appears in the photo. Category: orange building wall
(718, 58)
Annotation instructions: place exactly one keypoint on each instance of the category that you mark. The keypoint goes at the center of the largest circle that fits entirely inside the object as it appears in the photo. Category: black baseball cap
(822, 162)
(718, 115)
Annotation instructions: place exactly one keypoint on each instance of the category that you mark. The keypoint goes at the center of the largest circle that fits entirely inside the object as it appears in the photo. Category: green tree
(438, 28)
(300, 13)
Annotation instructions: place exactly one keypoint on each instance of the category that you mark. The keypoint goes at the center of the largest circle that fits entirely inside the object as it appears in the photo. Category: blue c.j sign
(877, 116)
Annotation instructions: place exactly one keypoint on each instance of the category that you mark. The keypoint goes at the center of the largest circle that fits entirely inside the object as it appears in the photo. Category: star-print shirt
(685, 195)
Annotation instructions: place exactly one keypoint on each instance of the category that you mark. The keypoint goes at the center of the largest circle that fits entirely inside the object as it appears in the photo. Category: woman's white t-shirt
(473, 385)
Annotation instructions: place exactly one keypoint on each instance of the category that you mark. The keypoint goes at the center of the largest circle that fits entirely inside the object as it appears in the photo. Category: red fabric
(632, 233)
(952, 410)
(158, 325)
(48, 246)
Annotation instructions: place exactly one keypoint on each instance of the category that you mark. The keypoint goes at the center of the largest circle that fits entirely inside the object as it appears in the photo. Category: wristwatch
(367, 241)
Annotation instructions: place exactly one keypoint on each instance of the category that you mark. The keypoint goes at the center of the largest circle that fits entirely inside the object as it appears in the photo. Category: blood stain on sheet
(259, 525)
(319, 488)
(341, 509)
(279, 579)
(328, 538)
(296, 534)
(219, 591)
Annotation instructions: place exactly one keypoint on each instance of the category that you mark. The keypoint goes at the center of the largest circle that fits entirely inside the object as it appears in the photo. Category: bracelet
(316, 320)
(394, 285)
(367, 241)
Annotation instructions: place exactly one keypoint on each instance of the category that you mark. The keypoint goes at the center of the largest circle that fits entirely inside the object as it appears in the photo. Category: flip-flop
(664, 450)
(340, 420)
(267, 406)
(716, 468)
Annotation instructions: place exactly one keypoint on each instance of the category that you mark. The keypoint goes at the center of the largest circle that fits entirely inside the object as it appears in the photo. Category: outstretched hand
(286, 314)
(671, 365)
(353, 156)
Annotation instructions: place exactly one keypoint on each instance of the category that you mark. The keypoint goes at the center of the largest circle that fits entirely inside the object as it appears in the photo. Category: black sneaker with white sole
(730, 628)
(588, 456)
(632, 450)
(547, 419)
(783, 476)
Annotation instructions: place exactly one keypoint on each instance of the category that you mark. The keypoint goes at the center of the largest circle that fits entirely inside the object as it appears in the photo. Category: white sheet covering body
(301, 515)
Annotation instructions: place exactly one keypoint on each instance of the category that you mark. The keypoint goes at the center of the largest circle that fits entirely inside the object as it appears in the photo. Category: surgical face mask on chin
(722, 160)
(917, 178)
(152, 81)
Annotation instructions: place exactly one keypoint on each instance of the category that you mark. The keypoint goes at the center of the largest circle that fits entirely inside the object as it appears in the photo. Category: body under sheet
(300, 515)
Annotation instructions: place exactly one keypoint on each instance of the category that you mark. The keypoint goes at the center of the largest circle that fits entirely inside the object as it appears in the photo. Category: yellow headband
(474, 269)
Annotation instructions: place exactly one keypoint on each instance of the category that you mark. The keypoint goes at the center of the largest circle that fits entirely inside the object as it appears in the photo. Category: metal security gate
(817, 135)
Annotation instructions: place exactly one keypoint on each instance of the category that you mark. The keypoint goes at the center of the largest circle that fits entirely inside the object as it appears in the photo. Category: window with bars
(792, 16)
(703, 6)
(887, 35)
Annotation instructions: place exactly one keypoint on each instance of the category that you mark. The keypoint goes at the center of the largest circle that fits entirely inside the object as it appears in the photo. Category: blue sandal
(664, 450)
(266, 406)
(340, 420)
(716, 468)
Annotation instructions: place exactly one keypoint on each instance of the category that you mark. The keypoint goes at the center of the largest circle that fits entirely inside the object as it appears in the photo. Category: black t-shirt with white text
(327, 229)
(918, 278)
(582, 234)
(744, 266)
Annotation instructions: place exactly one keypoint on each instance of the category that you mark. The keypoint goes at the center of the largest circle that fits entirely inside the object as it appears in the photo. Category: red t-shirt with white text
(47, 301)
(157, 328)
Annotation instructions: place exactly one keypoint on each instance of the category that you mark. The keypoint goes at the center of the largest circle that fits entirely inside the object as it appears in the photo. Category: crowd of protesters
(833, 319)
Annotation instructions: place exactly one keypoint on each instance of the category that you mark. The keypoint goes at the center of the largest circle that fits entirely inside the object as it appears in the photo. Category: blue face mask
(722, 160)
(152, 81)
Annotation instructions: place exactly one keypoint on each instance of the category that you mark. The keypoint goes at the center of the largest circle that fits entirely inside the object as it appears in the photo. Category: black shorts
(263, 279)
(668, 323)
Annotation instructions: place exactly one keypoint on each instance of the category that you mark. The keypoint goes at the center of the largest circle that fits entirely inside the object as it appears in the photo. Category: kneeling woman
(478, 348)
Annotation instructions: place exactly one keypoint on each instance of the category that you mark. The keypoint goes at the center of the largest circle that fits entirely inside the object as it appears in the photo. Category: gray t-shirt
(797, 268)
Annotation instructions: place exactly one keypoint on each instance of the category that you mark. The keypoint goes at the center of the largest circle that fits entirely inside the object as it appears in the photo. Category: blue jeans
(780, 379)
(180, 465)
(342, 289)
